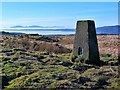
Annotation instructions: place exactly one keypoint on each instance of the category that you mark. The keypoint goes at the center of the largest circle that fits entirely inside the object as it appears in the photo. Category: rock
(101, 82)
(9, 53)
(81, 68)
(46, 53)
(29, 58)
(51, 56)
(59, 77)
(78, 68)
(22, 64)
(65, 63)
(40, 58)
(82, 80)
(20, 50)
(4, 51)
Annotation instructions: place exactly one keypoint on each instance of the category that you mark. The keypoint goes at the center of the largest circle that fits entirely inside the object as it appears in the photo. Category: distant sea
(100, 30)
(42, 31)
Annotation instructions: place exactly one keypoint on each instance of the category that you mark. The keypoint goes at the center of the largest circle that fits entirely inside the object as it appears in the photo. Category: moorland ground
(36, 61)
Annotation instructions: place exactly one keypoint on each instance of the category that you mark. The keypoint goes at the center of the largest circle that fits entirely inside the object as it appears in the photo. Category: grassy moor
(44, 61)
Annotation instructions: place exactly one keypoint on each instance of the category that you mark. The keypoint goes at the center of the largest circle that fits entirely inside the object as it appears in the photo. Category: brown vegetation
(106, 43)
(58, 44)
(35, 43)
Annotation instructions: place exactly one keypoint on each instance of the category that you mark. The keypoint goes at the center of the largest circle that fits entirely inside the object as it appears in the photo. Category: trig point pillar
(85, 42)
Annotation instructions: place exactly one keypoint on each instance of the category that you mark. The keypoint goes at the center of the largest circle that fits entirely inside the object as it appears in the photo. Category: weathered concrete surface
(85, 38)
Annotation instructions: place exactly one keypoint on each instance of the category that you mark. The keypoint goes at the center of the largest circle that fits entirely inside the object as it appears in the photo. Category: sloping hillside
(108, 30)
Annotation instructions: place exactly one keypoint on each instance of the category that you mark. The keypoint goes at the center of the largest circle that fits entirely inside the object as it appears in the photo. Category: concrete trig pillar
(85, 42)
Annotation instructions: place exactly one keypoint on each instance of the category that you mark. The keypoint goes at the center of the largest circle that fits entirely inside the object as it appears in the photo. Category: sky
(60, 14)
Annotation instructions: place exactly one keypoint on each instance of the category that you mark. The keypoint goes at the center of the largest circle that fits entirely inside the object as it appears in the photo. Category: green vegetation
(109, 58)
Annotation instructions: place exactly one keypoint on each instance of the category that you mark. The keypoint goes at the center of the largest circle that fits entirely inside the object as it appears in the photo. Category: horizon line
(37, 28)
(55, 28)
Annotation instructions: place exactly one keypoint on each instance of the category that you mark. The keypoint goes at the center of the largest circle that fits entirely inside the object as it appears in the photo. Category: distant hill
(100, 30)
(35, 26)
(108, 30)
(9, 33)
(17, 26)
